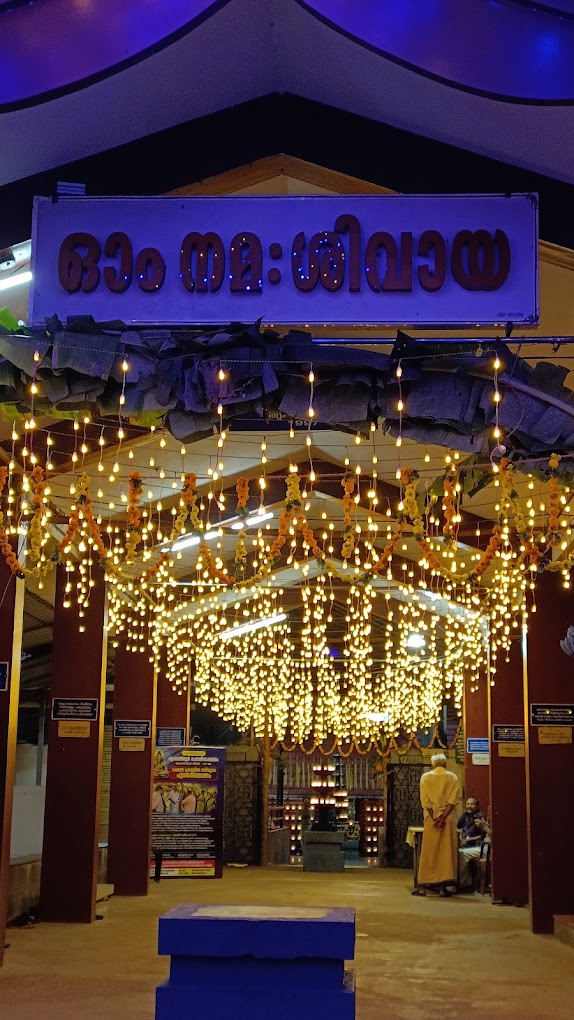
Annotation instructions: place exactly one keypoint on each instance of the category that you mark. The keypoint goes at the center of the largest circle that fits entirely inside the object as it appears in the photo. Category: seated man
(471, 850)
(466, 825)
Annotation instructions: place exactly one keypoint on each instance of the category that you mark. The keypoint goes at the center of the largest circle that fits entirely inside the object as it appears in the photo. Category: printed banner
(396, 260)
(187, 811)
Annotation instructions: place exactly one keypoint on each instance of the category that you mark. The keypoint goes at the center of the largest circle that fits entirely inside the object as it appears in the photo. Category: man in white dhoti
(439, 851)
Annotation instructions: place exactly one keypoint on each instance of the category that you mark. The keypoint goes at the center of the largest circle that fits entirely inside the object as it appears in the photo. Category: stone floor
(416, 958)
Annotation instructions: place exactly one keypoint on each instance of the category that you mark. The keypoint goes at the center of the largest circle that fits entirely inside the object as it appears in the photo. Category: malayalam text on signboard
(552, 715)
(75, 708)
(477, 745)
(511, 733)
(388, 259)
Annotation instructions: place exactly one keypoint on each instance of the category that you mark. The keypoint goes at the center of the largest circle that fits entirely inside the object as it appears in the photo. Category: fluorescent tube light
(188, 540)
(13, 281)
(246, 628)
(253, 521)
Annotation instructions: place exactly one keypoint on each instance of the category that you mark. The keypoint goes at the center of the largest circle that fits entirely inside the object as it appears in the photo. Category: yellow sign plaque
(73, 728)
(508, 750)
(554, 734)
(132, 744)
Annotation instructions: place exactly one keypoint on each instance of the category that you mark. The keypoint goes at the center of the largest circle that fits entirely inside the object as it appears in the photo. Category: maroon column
(11, 606)
(549, 766)
(172, 706)
(476, 777)
(131, 778)
(71, 820)
(508, 782)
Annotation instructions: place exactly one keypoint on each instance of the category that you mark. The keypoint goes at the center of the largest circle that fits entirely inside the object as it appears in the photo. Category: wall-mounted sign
(482, 758)
(75, 708)
(555, 735)
(3, 676)
(132, 728)
(477, 745)
(552, 715)
(132, 744)
(508, 734)
(170, 736)
(511, 750)
(386, 259)
(73, 729)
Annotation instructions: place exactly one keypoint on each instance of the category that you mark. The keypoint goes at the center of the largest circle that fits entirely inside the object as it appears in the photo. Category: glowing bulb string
(311, 409)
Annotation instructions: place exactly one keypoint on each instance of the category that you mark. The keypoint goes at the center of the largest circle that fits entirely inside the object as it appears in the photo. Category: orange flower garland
(187, 507)
(311, 541)
(71, 530)
(242, 490)
(35, 527)
(133, 536)
(348, 483)
(449, 508)
(5, 544)
(553, 534)
(84, 522)
(214, 572)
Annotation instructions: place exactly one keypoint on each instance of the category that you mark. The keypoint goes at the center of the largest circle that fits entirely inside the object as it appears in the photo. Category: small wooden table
(415, 839)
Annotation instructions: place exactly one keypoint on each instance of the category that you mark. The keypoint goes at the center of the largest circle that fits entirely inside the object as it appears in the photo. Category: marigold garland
(5, 544)
(449, 508)
(242, 490)
(348, 483)
(553, 534)
(215, 573)
(188, 509)
(133, 537)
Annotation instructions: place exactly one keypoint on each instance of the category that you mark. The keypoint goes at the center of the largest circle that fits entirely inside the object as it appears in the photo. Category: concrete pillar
(71, 820)
(508, 781)
(131, 774)
(476, 777)
(549, 680)
(11, 610)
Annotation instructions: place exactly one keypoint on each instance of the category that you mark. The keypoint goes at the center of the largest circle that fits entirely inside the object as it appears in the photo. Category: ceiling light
(415, 641)
(254, 521)
(13, 281)
(246, 628)
(378, 717)
(188, 540)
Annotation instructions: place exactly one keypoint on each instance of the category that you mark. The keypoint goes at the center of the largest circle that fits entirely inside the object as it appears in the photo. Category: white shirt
(439, 788)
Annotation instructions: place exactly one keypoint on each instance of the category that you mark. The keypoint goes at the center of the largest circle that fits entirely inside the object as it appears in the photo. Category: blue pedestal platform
(257, 962)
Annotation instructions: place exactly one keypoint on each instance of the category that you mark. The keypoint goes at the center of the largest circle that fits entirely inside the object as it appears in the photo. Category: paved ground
(416, 958)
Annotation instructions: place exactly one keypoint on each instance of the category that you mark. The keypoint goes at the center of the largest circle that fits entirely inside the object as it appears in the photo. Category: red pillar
(71, 820)
(172, 706)
(11, 607)
(508, 782)
(549, 679)
(131, 776)
(476, 777)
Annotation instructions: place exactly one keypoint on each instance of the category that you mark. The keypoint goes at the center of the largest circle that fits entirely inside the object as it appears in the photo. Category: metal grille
(404, 809)
(241, 814)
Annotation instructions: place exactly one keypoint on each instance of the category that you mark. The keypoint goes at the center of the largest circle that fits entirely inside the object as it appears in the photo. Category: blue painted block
(247, 972)
(277, 933)
(286, 1004)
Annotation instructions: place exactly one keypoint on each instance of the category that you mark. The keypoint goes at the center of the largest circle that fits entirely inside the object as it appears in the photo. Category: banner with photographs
(187, 812)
